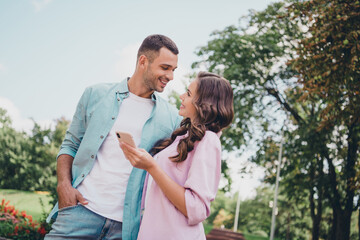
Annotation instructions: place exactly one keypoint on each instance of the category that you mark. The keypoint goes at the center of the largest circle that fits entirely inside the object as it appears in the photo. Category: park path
(224, 234)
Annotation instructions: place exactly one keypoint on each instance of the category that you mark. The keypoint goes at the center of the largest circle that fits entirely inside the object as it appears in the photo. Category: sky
(51, 50)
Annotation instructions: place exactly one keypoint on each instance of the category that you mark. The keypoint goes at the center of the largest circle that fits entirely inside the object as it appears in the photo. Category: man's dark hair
(151, 45)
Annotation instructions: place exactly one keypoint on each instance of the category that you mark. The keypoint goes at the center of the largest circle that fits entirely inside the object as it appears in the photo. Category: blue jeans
(78, 222)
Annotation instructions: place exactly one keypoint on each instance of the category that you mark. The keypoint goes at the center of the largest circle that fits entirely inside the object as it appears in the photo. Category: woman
(184, 175)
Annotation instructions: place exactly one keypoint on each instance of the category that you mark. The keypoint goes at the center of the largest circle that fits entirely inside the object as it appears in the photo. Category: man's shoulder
(102, 86)
(101, 89)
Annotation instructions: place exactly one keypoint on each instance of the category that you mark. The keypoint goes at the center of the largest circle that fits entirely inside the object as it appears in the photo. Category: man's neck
(136, 86)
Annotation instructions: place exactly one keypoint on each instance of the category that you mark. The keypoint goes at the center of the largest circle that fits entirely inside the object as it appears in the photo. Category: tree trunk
(343, 223)
(315, 215)
(332, 233)
(316, 205)
(288, 227)
(343, 226)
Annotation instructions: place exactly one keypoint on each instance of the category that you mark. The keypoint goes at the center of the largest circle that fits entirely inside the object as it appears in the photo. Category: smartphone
(125, 137)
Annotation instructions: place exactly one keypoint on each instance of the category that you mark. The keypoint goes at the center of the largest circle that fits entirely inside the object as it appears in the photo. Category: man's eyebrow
(168, 65)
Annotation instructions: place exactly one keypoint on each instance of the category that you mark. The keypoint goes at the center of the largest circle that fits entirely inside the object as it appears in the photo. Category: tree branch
(273, 92)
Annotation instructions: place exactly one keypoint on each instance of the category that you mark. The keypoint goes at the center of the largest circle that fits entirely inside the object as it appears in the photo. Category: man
(99, 191)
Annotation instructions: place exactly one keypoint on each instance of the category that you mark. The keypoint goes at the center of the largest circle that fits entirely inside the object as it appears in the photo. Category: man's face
(161, 70)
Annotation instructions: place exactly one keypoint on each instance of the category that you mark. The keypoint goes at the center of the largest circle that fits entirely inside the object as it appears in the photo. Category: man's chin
(160, 89)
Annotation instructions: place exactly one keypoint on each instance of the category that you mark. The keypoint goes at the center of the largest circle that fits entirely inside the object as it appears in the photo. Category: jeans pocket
(68, 208)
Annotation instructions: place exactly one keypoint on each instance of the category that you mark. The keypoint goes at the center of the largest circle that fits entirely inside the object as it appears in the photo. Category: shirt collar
(124, 89)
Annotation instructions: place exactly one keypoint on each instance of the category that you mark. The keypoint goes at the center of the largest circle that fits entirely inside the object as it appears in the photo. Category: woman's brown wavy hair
(213, 101)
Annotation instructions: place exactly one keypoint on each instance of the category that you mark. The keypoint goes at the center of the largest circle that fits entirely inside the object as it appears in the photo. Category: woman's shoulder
(210, 139)
(213, 134)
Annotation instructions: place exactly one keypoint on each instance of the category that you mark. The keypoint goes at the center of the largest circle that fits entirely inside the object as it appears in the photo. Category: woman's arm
(139, 158)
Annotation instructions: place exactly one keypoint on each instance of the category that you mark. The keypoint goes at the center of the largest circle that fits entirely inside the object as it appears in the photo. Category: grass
(27, 201)
(254, 237)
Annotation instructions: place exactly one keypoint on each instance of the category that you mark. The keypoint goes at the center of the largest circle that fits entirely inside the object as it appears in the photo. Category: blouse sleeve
(203, 178)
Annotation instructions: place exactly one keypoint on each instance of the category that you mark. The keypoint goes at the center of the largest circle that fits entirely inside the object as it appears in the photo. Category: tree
(329, 68)
(254, 59)
(255, 214)
(29, 161)
(13, 155)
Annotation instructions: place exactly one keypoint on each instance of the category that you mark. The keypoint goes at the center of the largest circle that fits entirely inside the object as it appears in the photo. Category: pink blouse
(199, 174)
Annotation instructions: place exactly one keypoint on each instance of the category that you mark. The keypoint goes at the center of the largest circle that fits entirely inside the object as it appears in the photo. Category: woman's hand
(139, 158)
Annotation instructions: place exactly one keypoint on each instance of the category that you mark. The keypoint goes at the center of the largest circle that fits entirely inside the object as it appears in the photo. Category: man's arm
(68, 196)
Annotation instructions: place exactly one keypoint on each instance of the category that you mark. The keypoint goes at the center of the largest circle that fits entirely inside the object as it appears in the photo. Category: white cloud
(18, 122)
(13, 112)
(40, 4)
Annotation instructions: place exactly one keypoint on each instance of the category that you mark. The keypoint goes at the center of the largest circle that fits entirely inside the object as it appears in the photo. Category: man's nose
(170, 75)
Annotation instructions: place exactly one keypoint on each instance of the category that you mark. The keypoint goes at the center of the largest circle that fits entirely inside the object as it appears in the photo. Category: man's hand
(69, 196)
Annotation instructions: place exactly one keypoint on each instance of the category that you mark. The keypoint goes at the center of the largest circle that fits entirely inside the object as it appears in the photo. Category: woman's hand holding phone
(139, 158)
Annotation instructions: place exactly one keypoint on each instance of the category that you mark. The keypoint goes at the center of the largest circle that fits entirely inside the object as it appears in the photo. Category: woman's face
(187, 108)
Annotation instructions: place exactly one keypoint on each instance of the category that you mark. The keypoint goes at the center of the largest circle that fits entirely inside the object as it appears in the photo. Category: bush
(19, 225)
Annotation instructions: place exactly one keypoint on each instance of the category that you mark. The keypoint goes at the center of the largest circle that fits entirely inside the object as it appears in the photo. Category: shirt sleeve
(76, 131)
(203, 178)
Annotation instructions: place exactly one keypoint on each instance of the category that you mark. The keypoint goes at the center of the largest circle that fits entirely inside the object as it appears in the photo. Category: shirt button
(118, 99)
(113, 118)
(101, 136)
(83, 175)
(92, 156)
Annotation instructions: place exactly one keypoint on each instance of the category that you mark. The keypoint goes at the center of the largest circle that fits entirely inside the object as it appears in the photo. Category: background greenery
(294, 68)
(35, 204)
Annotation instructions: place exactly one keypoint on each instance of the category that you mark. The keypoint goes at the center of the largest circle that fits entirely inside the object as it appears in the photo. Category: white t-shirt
(105, 186)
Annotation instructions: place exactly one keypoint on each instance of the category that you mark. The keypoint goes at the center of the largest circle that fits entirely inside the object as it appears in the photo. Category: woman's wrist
(153, 168)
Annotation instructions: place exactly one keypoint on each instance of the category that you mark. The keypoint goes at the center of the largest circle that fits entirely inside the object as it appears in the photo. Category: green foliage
(328, 60)
(220, 202)
(292, 221)
(255, 237)
(174, 99)
(322, 133)
(29, 161)
(328, 66)
(250, 58)
(208, 228)
(28, 201)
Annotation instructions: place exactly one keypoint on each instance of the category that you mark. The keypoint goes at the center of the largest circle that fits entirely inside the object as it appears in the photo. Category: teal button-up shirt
(95, 115)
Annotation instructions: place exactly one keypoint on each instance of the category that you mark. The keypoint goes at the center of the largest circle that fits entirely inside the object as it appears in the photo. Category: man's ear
(143, 61)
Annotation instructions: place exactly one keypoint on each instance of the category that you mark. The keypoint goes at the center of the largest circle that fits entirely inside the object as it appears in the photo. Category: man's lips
(163, 82)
